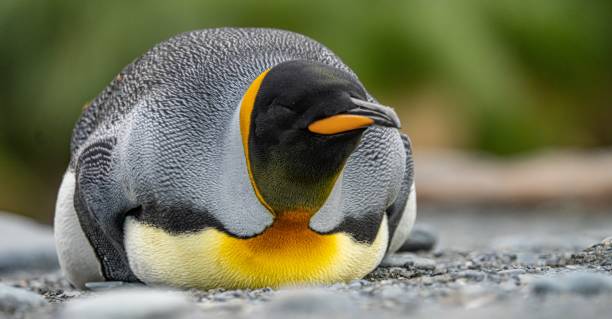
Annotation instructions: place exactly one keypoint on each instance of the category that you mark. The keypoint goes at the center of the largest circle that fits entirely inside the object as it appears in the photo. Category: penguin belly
(288, 253)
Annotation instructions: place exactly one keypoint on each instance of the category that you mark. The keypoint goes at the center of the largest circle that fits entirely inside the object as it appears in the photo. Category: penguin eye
(281, 111)
(277, 103)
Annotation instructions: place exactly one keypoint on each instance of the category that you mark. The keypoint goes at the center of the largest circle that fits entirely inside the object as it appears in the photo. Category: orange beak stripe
(339, 123)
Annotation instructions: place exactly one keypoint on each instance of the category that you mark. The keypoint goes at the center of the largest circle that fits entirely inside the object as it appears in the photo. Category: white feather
(76, 256)
(405, 224)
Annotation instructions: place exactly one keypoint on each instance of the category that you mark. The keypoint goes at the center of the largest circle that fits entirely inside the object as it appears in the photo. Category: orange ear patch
(246, 108)
(339, 123)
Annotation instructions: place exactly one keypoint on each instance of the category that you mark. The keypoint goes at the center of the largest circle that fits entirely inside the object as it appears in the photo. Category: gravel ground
(544, 262)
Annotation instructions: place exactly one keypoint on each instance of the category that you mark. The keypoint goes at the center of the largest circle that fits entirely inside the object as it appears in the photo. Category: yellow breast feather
(287, 253)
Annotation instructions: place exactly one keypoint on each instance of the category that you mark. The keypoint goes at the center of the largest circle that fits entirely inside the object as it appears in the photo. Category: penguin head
(299, 122)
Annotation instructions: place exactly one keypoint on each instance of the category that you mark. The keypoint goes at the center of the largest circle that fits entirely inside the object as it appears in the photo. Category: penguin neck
(291, 178)
(296, 173)
(296, 184)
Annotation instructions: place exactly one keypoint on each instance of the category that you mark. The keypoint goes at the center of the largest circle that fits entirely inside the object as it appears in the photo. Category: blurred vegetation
(499, 76)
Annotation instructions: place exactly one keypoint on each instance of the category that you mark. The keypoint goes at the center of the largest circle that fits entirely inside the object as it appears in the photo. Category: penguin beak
(380, 114)
(363, 115)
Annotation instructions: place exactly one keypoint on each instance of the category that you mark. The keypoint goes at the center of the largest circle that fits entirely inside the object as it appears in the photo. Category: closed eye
(276, 102)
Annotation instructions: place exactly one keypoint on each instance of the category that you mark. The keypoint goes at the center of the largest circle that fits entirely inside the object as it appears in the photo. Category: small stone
(310, 302)
(131, 303)
(422, 238)
(607, 241)
(511, 272)
(392, 292)
(105, 285)
(546, 286)
(219, 309)
(476, 296)
(14, 300)
(471, 275)
(589, 284)
(383, 273)
(227, 295)
(337, 286)
(581, 283)
(71, 294)
(528, 259)
(25, 245)
(427, 281)
(408, 260)
(355, 284)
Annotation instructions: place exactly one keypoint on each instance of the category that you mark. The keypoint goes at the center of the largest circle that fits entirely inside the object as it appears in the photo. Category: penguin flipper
(402, 212)
(100, 207)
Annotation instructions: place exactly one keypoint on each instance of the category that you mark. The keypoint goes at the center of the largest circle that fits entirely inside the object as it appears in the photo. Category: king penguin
(235, 158)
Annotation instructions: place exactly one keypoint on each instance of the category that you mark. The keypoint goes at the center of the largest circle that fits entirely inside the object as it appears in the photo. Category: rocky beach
(461, 261)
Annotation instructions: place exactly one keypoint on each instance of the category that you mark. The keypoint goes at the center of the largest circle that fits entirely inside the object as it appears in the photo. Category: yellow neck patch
(246, 109)
(288, 253)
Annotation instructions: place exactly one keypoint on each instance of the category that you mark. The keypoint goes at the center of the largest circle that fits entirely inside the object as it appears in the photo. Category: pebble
(229, 309)
(471, 275)
(422, 238)
(105, 285)
(308, 302)
(512, 272)
(132, 303)
(25, 245)
(589, 284)
(227, 295)
(357, 283)
(475, 296)
(395, 293)
(580, 283)
(14, 300)
(527, 259)
(546, 286)
(408, 260)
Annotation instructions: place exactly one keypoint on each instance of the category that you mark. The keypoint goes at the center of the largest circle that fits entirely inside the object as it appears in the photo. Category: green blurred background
(505, 77)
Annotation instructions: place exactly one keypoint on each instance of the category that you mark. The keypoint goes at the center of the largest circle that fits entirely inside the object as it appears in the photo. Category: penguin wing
(402, 212)
(100, 207)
